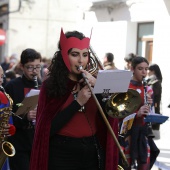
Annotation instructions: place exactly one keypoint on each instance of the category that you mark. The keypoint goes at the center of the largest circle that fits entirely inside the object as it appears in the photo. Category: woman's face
(140, 71)
(77, 58)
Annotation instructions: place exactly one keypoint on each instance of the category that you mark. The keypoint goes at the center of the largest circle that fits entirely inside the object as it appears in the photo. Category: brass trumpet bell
(121, 105)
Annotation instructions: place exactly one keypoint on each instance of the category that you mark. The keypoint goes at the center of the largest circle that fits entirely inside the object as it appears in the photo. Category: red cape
(47, 108)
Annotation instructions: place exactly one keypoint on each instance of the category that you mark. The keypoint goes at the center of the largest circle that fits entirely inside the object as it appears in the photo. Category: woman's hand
(83, 95)
(90, 78)
(31, 115)
(143, 111)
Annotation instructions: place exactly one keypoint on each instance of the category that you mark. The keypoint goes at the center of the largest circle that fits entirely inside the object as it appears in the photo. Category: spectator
(5, 64)
(9, 75)
(128, 60)
(108, 62)
(155, 81)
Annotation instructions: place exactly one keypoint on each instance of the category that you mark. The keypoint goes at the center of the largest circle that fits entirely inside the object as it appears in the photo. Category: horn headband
(72, 42)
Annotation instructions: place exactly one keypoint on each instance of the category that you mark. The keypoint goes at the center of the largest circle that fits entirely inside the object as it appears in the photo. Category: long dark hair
(57, 80)
(157, 71)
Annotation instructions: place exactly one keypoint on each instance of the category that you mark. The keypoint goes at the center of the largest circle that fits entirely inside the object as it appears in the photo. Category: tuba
(6, 148)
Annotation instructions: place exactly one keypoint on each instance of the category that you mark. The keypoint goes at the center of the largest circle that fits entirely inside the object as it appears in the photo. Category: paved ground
(162, 140)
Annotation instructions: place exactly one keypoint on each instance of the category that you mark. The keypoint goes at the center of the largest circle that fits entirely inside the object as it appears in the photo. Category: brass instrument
(119, 167)
(121, 105)
(6, 148)
(94, 63)
(105, 119)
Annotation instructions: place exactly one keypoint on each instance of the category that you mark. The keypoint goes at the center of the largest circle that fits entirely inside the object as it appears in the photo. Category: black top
(22, 140)
(156, 85)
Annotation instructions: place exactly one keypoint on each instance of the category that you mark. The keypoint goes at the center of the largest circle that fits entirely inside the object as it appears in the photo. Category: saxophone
(6, 148)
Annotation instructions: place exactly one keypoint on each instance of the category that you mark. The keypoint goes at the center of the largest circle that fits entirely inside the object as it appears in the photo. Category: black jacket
(22, 140)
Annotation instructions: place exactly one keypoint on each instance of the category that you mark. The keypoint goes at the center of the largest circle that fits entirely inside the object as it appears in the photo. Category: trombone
(105, 119)
(130, 101)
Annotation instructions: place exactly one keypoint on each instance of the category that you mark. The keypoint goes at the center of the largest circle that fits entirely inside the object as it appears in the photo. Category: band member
(30, 63)
(6, 130)
(70, 133)
(140, 149)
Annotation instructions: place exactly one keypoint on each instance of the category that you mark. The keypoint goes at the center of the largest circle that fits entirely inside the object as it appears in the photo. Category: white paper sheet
(33, 92)
(114, 81)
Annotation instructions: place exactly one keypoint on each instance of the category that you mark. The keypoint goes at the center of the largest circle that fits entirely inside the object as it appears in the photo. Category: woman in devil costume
(70, 134)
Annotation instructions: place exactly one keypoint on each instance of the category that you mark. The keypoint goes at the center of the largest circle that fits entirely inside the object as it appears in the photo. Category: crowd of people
(69, 132)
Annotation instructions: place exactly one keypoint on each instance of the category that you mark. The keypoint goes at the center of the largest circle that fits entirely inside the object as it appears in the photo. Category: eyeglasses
(32, 68)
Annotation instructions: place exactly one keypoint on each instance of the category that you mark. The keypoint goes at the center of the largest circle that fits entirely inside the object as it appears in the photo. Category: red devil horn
(62, 38)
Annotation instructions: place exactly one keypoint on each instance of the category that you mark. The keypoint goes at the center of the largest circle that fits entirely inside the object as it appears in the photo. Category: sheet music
(33, 92)
(127, 123)
(114, 81)
(29, 103)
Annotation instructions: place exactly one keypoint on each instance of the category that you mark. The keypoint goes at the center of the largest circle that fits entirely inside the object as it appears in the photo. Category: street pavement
(162, 140)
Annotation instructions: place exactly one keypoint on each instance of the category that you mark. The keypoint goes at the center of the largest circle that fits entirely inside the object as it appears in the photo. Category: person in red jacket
(140, 148)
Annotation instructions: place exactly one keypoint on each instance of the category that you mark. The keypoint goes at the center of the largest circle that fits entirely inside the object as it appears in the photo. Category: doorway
(147, 48)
